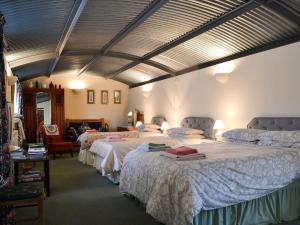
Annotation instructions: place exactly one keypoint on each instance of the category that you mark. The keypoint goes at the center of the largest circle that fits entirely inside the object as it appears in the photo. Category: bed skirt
(279, 206)
(113, 177)
(86, 157)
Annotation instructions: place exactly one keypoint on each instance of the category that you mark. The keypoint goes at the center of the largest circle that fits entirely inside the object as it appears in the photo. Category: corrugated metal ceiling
(33, 27)
(255, 28)
(72, 63)
(102, 20)
(32, 70)
(148, 40)
(174, 19)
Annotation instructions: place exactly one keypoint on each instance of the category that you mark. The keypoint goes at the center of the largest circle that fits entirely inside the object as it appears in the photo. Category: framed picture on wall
(117, 96)
(90, 97)
(104, 97)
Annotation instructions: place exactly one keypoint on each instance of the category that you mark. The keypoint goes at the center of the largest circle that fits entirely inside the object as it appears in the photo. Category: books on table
(36, 149)
(32, 175)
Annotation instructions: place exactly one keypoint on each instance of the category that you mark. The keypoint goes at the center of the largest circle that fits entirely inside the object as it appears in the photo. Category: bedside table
(125, 129)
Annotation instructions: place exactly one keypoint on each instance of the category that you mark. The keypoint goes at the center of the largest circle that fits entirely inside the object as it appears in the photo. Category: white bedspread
(175, 191)
(113, 153)
(86, 140)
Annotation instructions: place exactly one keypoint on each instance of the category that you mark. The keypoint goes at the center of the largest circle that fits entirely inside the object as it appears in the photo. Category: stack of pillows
(182, 132)
(149, 128)
(287, 139)
(241, 135)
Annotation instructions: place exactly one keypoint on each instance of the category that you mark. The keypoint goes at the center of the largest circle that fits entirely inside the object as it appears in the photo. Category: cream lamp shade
(164, 126)
(138, 124)
(219, 126)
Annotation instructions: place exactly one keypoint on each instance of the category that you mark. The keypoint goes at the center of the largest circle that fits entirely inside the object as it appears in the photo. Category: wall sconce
(147, 87)
(219, 126)
(75, 91)
(76, 86)
(164, 127)
(222, 77)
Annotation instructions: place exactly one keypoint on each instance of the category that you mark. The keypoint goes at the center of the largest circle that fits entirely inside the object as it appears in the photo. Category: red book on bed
(182, 151)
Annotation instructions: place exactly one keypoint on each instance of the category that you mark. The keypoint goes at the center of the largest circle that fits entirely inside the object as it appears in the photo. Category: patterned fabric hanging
(7, 213)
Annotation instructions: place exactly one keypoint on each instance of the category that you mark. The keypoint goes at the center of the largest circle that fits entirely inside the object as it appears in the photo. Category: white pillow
(296, 145)
(243, 134)
(280, 136)
(239, 141)
(184, 131)
(188, 136)
(151, 130)
(284, 144)
(152, 126)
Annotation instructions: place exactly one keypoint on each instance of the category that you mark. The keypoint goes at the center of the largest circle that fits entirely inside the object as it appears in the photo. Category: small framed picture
(117, 96)
(104, 97)
(90, 97)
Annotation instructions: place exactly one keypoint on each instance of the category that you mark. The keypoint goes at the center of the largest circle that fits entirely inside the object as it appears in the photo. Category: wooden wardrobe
(29, 110)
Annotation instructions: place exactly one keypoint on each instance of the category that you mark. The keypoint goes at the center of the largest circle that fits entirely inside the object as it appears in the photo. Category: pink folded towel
(183, 150)
(91, 131)
(193, 156)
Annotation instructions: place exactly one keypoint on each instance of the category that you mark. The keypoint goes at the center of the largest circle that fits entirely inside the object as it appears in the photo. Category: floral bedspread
(175, 191)
(86, 139)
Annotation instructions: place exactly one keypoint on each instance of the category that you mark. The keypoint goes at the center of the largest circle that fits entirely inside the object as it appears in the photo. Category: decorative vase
(59, 86)
(36, 84)
(51, 85)
(30, 84)
(55, 86)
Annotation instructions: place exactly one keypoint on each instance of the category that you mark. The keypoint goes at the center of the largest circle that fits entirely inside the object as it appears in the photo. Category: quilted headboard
(158, 120)
(203, 123)
(275, 123)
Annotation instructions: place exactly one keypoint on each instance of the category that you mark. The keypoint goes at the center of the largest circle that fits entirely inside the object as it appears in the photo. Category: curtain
(7, 213)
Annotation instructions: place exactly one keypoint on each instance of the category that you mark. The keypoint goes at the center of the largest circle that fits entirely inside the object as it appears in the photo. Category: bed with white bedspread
(86, 139)
(175, 192)
(108, 156)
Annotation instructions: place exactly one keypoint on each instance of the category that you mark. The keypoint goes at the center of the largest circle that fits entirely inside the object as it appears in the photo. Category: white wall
(265, 84)
(76, 106)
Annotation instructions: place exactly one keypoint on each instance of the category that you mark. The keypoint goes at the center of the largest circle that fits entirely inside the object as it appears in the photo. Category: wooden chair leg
(72, 153)
(40, 211)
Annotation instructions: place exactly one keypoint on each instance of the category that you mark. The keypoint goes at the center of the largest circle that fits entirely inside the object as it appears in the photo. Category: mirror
(130, 119)
(133, 116)
(43, 109)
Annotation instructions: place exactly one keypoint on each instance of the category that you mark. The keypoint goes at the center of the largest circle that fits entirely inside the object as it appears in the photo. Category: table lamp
(219, 126)
(164, 127)
(138, 124)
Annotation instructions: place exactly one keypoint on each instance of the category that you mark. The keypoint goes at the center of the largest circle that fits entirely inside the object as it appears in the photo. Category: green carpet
(80, 196)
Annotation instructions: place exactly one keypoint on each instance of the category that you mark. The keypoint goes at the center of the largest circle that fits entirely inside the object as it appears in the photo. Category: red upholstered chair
(54, 141)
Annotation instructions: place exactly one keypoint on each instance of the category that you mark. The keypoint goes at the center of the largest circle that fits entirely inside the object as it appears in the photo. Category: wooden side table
(30, 159)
